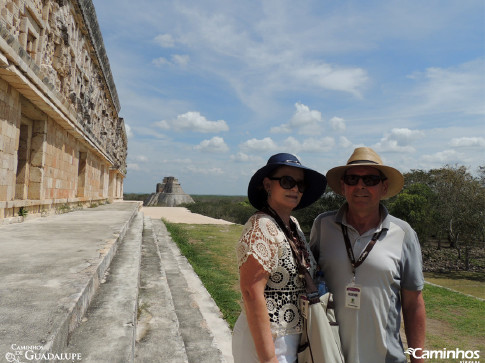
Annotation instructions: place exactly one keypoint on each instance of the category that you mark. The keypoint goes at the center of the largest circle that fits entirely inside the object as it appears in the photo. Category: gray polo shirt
(371, 333)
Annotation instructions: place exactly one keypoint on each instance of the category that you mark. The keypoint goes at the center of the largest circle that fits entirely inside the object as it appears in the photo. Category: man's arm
(414, 319)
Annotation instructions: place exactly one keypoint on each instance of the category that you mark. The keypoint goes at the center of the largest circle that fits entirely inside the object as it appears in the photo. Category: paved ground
(180, 215)
(49, 270)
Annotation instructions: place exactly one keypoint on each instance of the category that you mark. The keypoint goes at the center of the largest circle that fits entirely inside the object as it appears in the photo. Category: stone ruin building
(62, 143)
(169, 193)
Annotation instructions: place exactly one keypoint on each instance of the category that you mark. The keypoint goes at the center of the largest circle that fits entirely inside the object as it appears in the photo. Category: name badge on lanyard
(353, 291)
(352, 296)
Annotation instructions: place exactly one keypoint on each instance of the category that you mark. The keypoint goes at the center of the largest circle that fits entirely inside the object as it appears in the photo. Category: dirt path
(180, 215)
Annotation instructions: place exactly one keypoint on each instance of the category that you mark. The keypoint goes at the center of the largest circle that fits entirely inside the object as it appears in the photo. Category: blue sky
(210, 89)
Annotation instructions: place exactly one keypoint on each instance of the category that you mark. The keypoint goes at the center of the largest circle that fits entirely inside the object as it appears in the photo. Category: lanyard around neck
(297, 245)
(364, 253)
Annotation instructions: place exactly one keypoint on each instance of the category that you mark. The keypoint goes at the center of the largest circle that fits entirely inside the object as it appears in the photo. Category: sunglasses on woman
(288, 182)
(369, 180)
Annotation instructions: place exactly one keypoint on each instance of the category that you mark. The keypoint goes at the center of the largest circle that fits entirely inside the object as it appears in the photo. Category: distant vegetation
(446, 207)
(234, 209)
(136, 196)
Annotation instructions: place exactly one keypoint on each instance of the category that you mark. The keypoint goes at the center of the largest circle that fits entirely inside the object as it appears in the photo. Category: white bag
(320, 339)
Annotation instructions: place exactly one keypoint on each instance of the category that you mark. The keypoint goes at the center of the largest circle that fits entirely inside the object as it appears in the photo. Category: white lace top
(263, 239)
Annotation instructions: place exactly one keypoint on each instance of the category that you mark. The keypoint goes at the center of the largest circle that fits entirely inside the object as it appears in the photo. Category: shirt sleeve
(315, 237)
(260, 239)
(412, 262)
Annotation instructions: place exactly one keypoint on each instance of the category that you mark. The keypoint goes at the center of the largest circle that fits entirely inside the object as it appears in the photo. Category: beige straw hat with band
(365, 156)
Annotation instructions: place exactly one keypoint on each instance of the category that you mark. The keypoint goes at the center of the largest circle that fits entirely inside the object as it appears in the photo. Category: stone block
(3, 192)
(37, 159)
(36, 175)
(35, 191)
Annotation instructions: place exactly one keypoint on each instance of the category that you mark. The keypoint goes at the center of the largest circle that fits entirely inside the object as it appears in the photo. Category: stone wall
(62, 143)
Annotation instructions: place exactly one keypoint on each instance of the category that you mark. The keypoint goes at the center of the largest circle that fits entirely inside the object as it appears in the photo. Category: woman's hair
(274, 171)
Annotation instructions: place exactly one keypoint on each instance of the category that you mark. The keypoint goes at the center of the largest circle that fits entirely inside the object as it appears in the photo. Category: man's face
(363, 197)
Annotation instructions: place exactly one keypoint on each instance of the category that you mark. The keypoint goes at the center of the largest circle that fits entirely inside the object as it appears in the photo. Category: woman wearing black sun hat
(269, 328)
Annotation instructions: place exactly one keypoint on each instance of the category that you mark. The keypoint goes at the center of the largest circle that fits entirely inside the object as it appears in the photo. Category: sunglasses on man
(288, 182)
(369, 180)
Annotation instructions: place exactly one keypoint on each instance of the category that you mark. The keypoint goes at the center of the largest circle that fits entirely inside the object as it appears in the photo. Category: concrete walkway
(180, 215)
(56, 275)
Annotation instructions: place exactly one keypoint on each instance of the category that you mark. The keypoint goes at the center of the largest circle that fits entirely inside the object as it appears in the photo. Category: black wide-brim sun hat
(315, 182)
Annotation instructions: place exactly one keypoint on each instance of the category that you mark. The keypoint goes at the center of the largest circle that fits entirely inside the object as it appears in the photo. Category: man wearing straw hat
(371, 261)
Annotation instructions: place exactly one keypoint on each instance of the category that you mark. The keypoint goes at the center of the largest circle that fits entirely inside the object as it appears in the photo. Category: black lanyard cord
(364, 253)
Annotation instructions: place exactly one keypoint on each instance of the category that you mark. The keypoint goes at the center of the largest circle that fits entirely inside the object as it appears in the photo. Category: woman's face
(280, 198)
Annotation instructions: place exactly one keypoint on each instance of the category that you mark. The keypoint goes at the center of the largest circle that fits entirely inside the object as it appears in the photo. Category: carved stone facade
(62, 143)
(169, 193)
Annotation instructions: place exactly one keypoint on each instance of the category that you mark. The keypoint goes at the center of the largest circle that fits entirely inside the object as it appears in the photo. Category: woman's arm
(253, 279)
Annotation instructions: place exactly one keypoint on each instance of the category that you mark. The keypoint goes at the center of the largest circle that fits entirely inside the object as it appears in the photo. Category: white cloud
(263, 145)
(165, 40)
(304, 116)
(261, 56)
(132, 166)
(149, 132)
(140, 158)
(337, 123)
(306, 121)
(443, 157)
(205, 171)
(177, 161)
(310, 145)
(214, 145)
(180, 59)
(177, 60)
(325, 76)
(458, 89)
(164, 125)
(129, 132)
(161, 61)
(282, 129)
(193, 121)
(241, 157)
(344, 142)
(290, 144)
(468, 142)
(399, 140)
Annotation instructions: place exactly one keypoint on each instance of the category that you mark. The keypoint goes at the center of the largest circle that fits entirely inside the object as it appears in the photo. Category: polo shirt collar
(385, 221)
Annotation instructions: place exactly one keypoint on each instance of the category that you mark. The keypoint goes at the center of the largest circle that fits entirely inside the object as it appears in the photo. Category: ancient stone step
(107, 333)
(205, 334)
(158, 337)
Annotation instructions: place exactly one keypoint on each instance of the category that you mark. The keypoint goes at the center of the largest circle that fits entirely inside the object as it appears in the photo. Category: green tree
(328, 202)
(414, 205)
(460, 207)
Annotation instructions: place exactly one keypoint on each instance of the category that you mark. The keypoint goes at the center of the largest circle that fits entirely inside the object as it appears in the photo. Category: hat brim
(316, 184)
(394, 177)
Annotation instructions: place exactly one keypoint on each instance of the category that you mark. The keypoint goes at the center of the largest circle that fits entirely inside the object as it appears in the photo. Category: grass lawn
(210, 249)
(469, 283)
(453, 320)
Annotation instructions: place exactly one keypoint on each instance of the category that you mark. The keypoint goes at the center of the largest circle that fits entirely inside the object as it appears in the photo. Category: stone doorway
(23, 159)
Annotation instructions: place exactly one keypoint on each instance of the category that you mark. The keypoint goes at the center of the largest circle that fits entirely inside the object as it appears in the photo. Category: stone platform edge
(59, 339)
